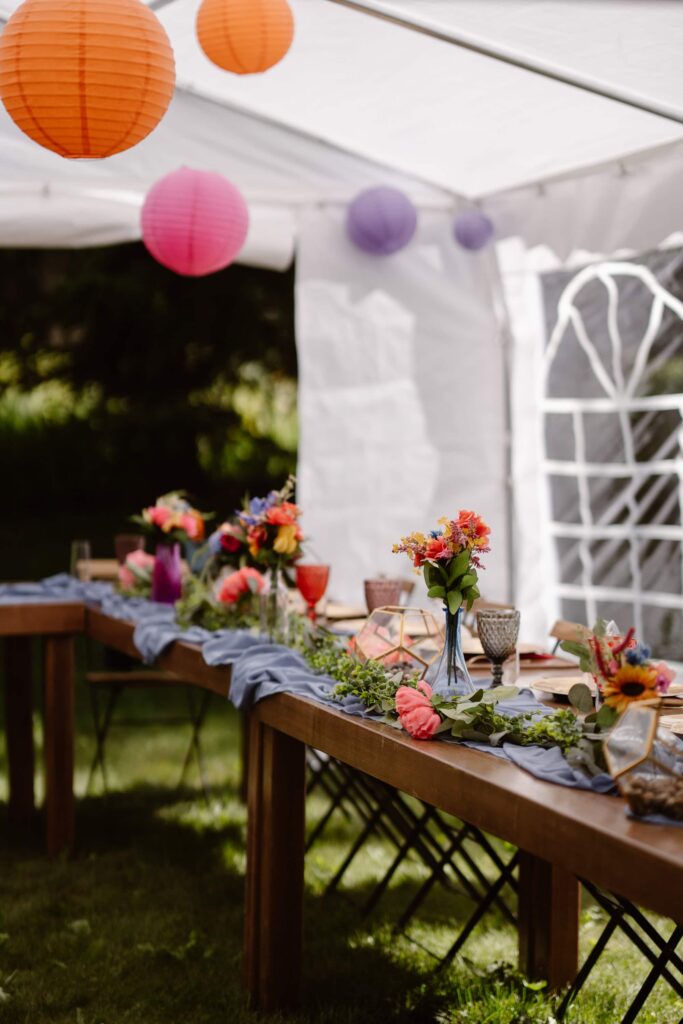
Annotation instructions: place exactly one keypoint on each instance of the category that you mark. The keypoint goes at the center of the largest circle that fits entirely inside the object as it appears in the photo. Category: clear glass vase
(274, 607)
(167, 581)
(450, 675)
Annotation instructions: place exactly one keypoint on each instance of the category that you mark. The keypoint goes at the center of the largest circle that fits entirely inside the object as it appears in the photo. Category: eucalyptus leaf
(606, 717)
(437, 591)
(498, 693)
(454, 599)
(468, 580)
(581, 698)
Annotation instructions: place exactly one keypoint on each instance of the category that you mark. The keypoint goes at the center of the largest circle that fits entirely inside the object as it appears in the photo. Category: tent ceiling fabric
(626, 47)
(452, 118)
(432, 111)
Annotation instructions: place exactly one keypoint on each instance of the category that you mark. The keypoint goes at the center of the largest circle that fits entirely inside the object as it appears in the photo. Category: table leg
(275, 868)
(58, 724)
(549, 905)
(19, 728)
(244, 755)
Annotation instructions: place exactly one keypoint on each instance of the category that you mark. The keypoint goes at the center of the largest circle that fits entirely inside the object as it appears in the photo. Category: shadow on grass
(144, 923)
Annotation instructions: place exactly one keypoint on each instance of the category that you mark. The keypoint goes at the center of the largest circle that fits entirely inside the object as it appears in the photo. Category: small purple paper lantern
(473, 230)
(381, 220)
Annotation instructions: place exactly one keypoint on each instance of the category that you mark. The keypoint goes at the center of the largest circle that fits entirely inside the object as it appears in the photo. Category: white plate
(559, 686)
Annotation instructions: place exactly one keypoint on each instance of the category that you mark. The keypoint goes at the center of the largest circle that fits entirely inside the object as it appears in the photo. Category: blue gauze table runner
(261, 669)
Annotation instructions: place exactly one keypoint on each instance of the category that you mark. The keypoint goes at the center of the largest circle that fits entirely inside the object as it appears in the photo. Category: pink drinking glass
(312, 582)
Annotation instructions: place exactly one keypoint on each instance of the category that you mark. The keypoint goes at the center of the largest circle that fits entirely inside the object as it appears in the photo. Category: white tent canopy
(561, 120)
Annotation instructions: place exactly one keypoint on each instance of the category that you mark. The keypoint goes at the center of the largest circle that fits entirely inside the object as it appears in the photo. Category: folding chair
(113, 684)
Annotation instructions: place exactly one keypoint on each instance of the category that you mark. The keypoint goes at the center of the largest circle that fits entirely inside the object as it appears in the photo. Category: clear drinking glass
(80, 560)
(498, 629)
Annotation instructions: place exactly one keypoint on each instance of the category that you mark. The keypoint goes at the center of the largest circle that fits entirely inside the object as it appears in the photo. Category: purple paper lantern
(381, 220)
(473, 230)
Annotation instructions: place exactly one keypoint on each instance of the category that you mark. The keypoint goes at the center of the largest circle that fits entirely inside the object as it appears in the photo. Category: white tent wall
(401, 397)
(621, 209)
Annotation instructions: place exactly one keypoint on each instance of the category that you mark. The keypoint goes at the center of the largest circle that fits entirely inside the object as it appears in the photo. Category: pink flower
(416, 712)
(237, 584)
(157, 515)
(141, 561)
(665, 676)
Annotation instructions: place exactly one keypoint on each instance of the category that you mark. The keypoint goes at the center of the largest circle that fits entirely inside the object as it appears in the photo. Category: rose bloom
(236, 585)
(229, 542)
(665, 676)
(282, 515)
(415, 711)
(139, 559)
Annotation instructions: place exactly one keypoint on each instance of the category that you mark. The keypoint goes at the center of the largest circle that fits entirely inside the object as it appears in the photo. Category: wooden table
(58, 624)
(561, 832)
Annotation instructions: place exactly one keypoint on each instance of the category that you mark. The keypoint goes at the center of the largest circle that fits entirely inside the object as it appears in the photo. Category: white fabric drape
(402, 421)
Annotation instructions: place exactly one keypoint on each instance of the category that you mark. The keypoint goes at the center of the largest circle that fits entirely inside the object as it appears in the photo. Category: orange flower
(255, 538)
(283, 515)
(438, 548)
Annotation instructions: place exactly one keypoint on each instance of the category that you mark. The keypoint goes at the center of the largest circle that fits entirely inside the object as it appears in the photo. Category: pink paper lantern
(194, 222)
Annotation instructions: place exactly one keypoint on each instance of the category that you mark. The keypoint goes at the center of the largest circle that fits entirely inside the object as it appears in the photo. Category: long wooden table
(58, 625)
(561, 833)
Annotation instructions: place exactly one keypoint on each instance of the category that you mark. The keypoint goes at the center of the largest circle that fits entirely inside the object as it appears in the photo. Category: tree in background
(120, 380)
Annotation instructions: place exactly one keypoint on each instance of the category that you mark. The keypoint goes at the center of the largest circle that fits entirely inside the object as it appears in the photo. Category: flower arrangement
(264, 532)
(450, 557)
(172, 520)
(621, 667)
(135, 575)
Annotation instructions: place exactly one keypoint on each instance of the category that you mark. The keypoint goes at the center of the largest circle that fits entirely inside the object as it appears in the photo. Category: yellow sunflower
(630, 683)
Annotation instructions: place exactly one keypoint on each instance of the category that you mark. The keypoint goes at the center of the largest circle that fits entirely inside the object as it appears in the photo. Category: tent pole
(509, 57)
(506, 340)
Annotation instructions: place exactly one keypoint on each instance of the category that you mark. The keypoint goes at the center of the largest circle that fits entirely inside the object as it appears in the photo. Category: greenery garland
(470, 717)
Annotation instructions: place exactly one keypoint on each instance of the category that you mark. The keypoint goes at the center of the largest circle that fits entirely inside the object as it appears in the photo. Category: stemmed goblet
(312, 583)
(498, 629)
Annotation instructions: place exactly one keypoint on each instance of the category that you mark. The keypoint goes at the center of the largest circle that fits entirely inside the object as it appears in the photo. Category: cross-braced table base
(624, 916)
(457, 856)
(461, 858)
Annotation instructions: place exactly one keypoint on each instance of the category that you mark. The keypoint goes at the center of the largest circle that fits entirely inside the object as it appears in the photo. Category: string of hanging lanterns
(92, 78)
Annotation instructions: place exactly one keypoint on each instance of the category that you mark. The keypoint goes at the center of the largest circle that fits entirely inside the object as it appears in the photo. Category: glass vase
(167, 583)
(274, 607)
(450, 676)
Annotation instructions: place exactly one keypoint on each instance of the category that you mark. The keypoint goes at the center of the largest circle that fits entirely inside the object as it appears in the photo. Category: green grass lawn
(144, 924)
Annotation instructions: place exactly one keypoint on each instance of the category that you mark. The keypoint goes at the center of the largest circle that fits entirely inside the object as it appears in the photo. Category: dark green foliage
(120, 381)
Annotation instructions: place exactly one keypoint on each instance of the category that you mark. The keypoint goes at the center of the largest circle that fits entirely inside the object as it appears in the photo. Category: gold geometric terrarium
(647, 761)
(395, 636)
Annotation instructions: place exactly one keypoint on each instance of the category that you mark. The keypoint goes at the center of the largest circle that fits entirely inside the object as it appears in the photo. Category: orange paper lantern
(87, 78)
(245, 36)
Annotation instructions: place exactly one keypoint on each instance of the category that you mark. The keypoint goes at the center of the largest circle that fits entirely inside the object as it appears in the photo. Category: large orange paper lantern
(85, 78)
(245, 36)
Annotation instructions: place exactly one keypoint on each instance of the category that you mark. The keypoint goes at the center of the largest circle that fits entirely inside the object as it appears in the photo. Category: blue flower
(638, 654)
(214, 542)
(435, 533)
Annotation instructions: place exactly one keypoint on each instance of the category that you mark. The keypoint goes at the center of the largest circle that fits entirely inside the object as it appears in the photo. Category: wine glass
(312, 583)
(498, 629)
